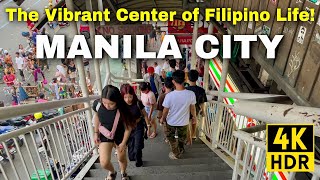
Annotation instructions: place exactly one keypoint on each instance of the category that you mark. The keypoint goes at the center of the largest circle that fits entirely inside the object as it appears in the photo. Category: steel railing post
(206, 84)
(92, 44)
(218, 117)
(82, 78)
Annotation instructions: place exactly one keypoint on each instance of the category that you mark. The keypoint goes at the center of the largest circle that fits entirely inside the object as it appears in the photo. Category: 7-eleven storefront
(215, 68)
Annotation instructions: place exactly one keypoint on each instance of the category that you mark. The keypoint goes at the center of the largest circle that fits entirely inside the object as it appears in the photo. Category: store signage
(141, 29)
(182, 27)
(184, 40)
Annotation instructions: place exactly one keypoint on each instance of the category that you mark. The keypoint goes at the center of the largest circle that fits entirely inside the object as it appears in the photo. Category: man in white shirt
(157, 69)
(20, 63)
(177, 107)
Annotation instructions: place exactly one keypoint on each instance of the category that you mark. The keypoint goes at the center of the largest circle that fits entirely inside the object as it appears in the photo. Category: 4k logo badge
(290, 148)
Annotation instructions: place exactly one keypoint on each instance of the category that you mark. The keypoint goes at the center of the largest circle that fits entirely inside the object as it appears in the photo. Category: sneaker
(172, 156)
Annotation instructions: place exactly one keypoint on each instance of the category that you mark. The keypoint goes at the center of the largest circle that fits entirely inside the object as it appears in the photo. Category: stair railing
(272, 113)
(57, 146)
(244, 166)
(249, 115)
(118, 81)
(250, 165)
(222, 138)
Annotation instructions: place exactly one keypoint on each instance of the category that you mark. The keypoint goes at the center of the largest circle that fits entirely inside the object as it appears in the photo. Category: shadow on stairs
(198, 162)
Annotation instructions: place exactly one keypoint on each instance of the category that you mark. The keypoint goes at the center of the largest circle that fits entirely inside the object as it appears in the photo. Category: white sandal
(111, 176)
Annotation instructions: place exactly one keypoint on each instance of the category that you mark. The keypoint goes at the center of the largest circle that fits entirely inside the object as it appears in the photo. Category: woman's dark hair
(41, 96)
(145, 86)
(127, 89)
(168, 83)
(172, 63)
(113, 94)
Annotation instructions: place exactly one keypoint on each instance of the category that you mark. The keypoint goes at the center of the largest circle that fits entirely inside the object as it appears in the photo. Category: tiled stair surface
(198, 162)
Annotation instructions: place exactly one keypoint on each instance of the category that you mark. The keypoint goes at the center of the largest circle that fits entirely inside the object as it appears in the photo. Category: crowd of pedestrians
(169, 97)
(22, 68)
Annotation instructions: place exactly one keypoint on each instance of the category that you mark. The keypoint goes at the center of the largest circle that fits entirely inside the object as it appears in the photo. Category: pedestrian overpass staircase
(231, 141)
(198, 162)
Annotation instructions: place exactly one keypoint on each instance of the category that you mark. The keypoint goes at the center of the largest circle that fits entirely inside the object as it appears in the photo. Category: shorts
(117, 140)
(154, 113)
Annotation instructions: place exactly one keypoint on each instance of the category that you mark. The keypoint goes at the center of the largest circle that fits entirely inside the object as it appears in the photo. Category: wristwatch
(149, 125)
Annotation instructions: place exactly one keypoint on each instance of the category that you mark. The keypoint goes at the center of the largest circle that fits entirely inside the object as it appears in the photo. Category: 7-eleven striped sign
(215, 69)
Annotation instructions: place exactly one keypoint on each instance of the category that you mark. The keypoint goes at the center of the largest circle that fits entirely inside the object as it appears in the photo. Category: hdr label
(290, 148)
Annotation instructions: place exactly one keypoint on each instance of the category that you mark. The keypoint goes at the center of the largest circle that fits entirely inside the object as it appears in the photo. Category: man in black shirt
(201, 98)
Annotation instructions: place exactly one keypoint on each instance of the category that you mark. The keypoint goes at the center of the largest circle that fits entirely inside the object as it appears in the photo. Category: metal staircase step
(214, 160)
(161, 142)
(198, 162)
(205, 175)
(197, 149)
(165, 156)
(161, 152)
(189, 155)
(164, 170)
(208, 175)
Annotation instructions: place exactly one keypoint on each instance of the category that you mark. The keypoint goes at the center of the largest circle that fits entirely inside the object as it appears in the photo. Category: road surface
(10, 38)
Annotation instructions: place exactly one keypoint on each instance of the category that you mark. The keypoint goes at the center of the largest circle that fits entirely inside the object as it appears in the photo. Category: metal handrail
(279, 113)
(237, 95)
(126, 78)
(261, 143)
(14, 111)
(74, 130)
(68, 135)
(28, 129)
(250, 140)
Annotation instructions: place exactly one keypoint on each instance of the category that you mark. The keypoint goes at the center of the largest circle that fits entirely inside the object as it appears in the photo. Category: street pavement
(10, 38)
